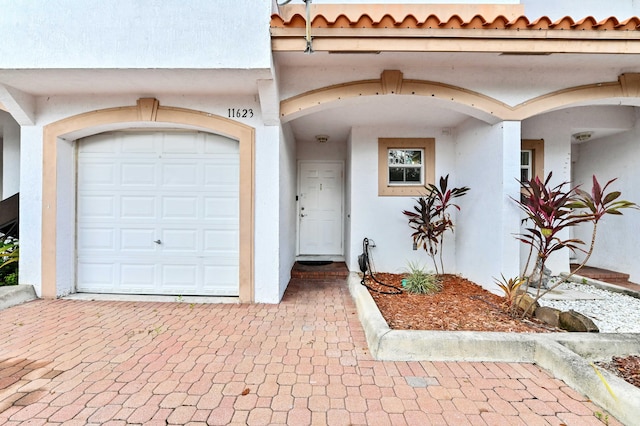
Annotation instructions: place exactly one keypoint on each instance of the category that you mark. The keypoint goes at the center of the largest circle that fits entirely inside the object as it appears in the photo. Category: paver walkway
(301, 362)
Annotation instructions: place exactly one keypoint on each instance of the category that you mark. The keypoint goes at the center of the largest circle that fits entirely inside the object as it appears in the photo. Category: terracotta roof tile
(588, 23)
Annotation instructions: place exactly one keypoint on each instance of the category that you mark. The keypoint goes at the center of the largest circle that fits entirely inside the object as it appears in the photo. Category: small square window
(405, 166)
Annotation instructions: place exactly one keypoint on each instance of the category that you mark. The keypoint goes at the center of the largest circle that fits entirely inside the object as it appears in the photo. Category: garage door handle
(158, 242)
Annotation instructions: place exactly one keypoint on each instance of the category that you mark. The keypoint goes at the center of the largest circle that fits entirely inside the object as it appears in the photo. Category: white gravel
(612, 312)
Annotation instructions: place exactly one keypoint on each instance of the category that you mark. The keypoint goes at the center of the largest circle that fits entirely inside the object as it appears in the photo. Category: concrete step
(331, 271)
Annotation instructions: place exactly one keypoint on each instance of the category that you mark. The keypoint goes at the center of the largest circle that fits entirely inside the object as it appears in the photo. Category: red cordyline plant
(431, 220)
(551, 210)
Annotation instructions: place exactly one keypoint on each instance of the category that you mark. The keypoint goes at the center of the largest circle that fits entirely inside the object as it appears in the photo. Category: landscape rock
(575, 321)
(548, 315)
(534, 279)
(525, 302)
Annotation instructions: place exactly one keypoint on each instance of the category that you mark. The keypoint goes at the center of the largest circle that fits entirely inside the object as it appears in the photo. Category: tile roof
(456, 22)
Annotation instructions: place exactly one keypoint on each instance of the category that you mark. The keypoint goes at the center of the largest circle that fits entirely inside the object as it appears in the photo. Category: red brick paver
(304, 361)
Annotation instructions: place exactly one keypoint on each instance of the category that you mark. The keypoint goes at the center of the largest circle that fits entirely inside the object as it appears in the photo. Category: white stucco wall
(556, 129)
(10, 168)
(332, 150)
(617, 244)
(135, 34)
(348, 188)
(380, 218)
(31, 206)
(288, 206)
(487, 160)
(267, 215)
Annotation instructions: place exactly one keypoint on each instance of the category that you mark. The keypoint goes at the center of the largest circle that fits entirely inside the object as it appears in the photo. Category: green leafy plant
(551, 210)
(510, 288)
(431, 220)
(9, 258)
(417, 280)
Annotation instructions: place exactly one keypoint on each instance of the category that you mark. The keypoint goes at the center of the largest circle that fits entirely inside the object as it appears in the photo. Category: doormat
(315, 262)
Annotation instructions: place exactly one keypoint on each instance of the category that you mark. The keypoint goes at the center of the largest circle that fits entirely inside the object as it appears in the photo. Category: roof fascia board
(452, 44)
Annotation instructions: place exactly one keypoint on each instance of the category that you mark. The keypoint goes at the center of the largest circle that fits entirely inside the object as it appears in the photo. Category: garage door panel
(97, 206)
(138, 240)
(137, 207)
(96, 239)
(179, 207)
(138, 277)
(158, 213)
(180, 175)
(180, 278)
(221, 207)
(136, 142)
(98, 144)
(221, 174)
(178, 144)
(215, 144)
(138, 174)
(97, 174)
(220, 241)
(179, 240)
(95, 276)
(222, 277)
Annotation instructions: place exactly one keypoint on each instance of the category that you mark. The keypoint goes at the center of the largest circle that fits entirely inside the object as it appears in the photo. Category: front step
(331, 271)
(601, 274)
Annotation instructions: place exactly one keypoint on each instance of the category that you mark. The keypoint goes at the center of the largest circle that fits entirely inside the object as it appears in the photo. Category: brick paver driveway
(303, 361)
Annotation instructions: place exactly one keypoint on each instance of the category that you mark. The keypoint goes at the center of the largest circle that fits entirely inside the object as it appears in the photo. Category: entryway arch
(474, 104)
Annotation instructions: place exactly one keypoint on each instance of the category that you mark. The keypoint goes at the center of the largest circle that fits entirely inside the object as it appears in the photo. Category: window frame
(536, 146)
(420, 167)
(427, 145)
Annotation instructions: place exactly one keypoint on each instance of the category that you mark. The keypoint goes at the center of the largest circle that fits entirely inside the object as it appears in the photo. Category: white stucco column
(267, 195)
(488, 161)
(10, 156)
(31, 206)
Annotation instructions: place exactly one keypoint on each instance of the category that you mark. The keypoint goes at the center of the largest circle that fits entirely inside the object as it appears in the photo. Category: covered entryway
(158, 213)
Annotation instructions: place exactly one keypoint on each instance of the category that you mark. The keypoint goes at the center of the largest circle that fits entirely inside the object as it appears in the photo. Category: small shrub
(430, 220)
(418, 281)
(9, 256)
(510, 289)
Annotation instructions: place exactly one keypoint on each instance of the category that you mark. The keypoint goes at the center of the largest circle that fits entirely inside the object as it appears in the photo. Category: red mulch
(461, 305)
(464, 305)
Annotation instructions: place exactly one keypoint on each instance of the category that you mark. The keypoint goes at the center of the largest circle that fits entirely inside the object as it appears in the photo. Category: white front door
(158, 213)
(320, 208)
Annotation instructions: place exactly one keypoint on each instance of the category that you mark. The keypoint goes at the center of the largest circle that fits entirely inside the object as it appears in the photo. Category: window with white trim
(531, 159)
(405, 166)
(526, 165)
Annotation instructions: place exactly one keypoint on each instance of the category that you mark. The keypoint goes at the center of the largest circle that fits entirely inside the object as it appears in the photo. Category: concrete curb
(12, 295)
(567, 356)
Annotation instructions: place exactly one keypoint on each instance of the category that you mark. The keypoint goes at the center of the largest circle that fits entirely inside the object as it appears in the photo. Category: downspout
(309, 49)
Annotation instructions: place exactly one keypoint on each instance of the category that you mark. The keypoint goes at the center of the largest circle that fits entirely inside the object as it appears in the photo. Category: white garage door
(157, 213)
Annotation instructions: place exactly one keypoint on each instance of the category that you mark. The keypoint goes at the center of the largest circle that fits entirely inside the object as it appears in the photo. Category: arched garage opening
(59, 214)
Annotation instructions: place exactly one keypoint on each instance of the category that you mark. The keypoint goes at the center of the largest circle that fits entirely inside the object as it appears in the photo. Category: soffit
(143, 82)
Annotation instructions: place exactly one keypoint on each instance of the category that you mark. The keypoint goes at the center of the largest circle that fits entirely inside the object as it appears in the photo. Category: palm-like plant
(551, 210)
(431, 220)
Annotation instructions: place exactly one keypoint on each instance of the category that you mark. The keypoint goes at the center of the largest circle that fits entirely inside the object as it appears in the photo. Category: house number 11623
(240, 112)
